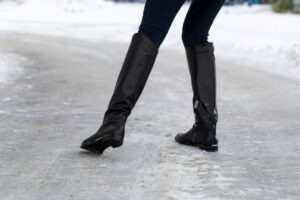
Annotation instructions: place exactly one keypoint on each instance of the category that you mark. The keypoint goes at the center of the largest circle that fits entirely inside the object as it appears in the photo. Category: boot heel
(113, 141)
(209, 148)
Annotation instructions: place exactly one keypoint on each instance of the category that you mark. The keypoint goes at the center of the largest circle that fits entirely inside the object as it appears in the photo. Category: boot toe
(98, 144)
(182, 139)
(178, 137)
(88, 141)
(98, 147)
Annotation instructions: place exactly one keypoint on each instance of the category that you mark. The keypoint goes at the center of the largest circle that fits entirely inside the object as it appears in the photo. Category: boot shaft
(133, 75)
(201, 62)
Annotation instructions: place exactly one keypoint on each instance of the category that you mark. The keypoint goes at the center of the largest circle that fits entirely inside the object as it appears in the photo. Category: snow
(252, 35)
(9, 66)
(257, 34)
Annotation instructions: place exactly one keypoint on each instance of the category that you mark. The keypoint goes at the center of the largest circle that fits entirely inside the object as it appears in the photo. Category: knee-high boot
(201, 62)
(132, 78)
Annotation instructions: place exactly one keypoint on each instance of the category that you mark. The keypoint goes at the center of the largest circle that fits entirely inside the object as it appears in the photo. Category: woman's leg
(198, 21)
(138, 63)
(201, 62)
(136, 68)
(157, 18)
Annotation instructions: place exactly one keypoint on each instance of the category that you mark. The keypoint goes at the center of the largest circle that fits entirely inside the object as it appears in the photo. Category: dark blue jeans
(159, 14)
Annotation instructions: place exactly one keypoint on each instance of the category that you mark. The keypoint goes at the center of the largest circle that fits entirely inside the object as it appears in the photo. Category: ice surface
(62, 95)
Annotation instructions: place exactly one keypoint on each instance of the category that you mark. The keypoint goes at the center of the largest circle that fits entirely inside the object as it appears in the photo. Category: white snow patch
(259, 38)
(9, 66)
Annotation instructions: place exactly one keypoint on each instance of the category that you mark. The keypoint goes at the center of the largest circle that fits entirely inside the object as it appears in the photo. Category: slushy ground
(62, 93)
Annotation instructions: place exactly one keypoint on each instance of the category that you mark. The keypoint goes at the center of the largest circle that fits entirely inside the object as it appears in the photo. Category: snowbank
(252, 35)
(257, 35)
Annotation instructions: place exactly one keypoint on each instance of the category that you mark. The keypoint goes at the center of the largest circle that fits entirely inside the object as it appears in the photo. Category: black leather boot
(201, 62)
(132, 78)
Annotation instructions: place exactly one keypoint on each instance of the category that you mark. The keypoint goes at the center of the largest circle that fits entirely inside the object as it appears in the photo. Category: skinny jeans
(158, 16)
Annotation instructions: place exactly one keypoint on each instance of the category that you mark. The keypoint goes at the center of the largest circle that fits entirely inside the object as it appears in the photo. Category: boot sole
(208, 148)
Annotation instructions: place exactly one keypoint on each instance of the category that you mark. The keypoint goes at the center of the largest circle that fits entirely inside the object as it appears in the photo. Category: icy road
(62, 94)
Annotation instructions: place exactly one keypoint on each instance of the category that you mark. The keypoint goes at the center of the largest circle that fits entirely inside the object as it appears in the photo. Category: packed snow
(9, 66)
(254, 35)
